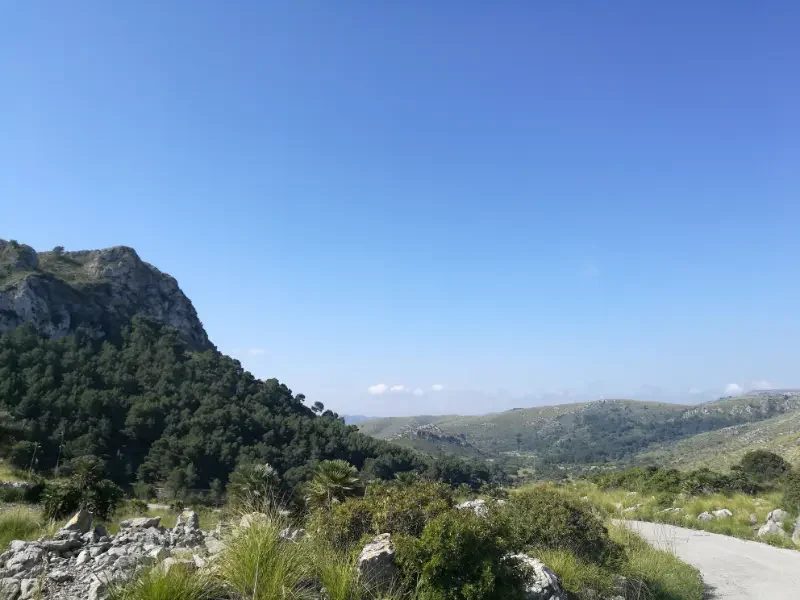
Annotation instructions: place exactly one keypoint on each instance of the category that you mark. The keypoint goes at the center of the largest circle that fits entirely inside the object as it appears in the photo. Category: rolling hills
(594, 432)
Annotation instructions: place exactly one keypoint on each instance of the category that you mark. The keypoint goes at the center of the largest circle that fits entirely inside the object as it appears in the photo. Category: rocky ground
(80, 561)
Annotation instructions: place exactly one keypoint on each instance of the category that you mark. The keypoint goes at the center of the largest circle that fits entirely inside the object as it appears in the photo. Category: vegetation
(156, 412)
(179, 583)
(84, 489)
(20, 524)
(333, 481)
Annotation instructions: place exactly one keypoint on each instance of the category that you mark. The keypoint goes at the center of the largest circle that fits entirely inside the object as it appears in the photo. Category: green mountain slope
(592, 432)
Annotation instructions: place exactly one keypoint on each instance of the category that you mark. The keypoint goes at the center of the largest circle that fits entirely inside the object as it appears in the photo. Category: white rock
(541, 583)
(477, 506)
(214, 546)
(778, 515)
(722, 513)
(704, 517)
(376, 562)
(140, 523)
(771, 527)
(81, 522)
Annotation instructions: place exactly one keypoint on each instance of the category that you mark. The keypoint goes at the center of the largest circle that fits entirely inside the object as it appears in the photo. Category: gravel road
(732, 569)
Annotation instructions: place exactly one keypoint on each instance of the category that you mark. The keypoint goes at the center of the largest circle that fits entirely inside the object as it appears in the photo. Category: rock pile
(81, 561)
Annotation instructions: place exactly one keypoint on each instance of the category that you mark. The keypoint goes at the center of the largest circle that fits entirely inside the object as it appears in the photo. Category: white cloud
(734, 389)
(256, 351)
(378, 389)
(418, 392)
(437, 387)
(695, 390)
(398, 388)
(761, 385)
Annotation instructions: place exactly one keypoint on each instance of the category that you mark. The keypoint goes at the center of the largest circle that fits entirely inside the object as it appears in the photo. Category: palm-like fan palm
(333, 481)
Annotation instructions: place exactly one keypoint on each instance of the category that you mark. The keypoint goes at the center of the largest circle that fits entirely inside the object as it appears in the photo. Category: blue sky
(514, 202)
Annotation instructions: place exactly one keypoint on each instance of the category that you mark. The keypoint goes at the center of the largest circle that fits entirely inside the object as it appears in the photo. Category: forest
(156, 412)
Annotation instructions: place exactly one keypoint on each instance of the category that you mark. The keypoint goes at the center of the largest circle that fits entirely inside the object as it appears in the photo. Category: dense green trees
(154, 411)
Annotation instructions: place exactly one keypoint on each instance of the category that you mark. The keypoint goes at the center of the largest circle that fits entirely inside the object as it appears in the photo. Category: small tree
(318, 407)
(333, 481)
(253, 483)
(763, 465)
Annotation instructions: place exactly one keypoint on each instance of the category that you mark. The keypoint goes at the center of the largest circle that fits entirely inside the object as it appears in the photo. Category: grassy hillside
(720, 449)
(591, 432)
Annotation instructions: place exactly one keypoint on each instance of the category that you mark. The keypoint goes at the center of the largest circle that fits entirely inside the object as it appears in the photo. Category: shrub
(84, 489)
(333, 481)
(544, 519)
(12, 494)
(251, 483)
(408, 508)
(764, 466)
(460, 557)
(344, 525)
(21, 454)
(791, 493)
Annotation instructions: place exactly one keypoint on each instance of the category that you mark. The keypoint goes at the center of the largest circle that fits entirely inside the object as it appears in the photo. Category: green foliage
(791, 492)
(344, 525)
(763, 466)
(158, 413)
(22, 455)
(19, 524)
(251, 483)
(545, 519)
(333, 481)
(179, 583)
(460, 557)
(406, 509)
(657, 480)
(84, 489)
(258, 565)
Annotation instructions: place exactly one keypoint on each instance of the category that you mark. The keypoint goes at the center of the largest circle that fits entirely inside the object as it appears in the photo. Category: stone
(293, 535)
(753, 519)
(17, 545)
(769, 528)
(477, 506)
(376, 562)
(722, 513)
(100, 530)
(60, 545)
(28, 588)
(26, 558)
(674, 509)
(540, 582)
(250, 518)
(128, 562)
(778, 515)
(60, 576)
(160, 553)
(83, 558)
(118, 551)
(9, 589)
(188, 520)
(183, 563)
(97, 550)
(199, 561)
(704, 517)
(214, 546)
(81, 522)
(98, 590)
(140, 523)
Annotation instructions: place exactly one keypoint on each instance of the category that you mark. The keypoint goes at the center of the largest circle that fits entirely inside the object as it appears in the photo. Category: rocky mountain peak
(59, 291)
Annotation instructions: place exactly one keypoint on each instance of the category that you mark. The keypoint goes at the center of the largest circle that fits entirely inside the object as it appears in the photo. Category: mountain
(579, 434)
(101, 290)
(355, 419)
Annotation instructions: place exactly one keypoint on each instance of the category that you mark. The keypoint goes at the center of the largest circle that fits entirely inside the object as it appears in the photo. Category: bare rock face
(99, 289)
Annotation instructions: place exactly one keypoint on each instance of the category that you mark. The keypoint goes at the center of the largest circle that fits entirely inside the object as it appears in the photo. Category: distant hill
(585, 433)
(99, 290)
(355, 419)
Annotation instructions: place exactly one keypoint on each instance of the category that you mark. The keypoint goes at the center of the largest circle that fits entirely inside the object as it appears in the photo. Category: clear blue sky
(516, 201)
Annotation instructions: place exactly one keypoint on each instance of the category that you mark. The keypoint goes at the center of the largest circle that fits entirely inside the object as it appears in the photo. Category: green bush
(344, 525)
(460, 556)
(545, 519)
(179, 583)
(763, 465)
(791, 493)
(21, 455)
(12, 494)
(407, 508)
(84, 489)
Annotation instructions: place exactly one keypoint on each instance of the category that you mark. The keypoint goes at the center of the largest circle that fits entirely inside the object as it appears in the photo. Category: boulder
(771, 527)
(376, 562)
(778, 515)
(796, 533)
(26, 558)
(540, 582)
(214, 546)
(81, 522)
(722, 513)
(188, 520)
(140, 523)
(9, 589)
(704, 517)
(477, 506)
(181, 563)
(28, 588)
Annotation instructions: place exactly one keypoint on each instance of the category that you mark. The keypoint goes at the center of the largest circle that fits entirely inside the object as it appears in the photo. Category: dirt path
(732, 569)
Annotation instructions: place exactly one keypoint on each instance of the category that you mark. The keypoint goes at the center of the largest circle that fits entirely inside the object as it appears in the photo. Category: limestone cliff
(60, 291)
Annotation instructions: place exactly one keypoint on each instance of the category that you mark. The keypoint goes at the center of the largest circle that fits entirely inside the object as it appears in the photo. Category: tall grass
(20, 524)
(179, 583)
(258, 565)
